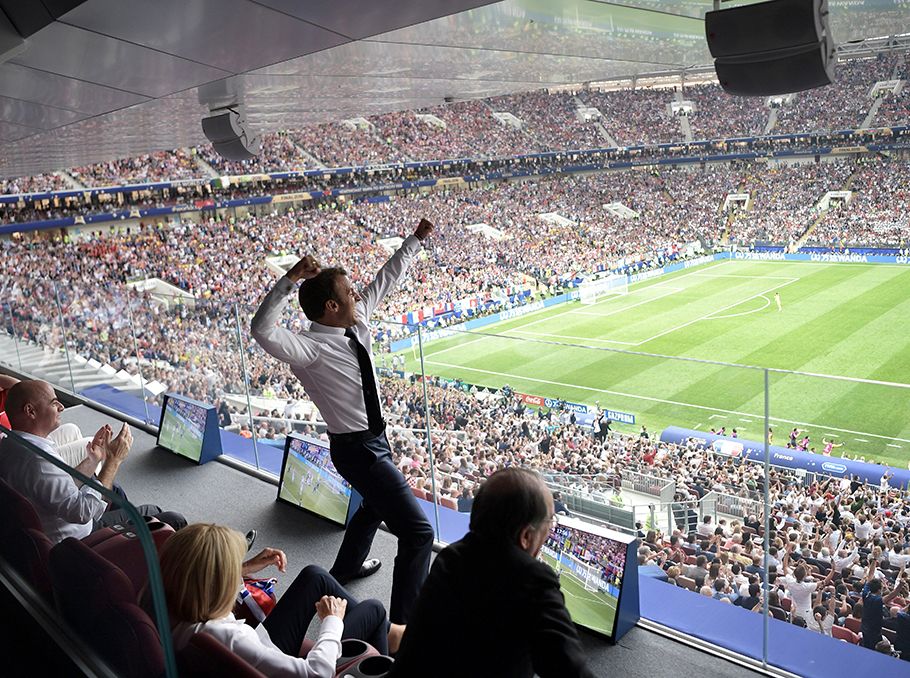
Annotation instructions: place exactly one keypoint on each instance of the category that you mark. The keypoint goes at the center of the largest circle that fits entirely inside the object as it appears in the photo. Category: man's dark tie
(370, 390)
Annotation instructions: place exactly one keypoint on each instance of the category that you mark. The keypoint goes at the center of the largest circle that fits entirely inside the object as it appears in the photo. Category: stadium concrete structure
(110, 79)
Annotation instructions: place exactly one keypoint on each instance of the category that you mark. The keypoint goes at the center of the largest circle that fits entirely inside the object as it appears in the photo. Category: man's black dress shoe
(369, 567)
(250, 538)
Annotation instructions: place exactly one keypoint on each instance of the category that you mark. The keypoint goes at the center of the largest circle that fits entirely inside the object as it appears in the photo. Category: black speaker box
(783, 72)
(775, 47)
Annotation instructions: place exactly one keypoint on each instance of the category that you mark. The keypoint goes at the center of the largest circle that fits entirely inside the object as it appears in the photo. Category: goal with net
(591, 291)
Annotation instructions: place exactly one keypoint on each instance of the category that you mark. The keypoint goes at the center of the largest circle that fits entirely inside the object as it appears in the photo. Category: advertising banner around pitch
(788, 458)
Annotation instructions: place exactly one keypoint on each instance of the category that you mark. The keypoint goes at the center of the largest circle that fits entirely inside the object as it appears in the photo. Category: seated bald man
(489, 608)
(66, 508)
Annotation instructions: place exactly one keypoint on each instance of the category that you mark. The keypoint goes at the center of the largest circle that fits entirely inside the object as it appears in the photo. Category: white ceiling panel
(84, 55)
(358, 19)
(60, 91)
(231, 35)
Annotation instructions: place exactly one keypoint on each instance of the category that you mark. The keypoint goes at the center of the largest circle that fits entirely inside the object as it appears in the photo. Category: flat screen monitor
(309, 480)
(598, 575)
(189, 428)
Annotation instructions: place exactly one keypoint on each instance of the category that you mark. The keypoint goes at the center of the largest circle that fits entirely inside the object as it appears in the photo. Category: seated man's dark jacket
(490, 609)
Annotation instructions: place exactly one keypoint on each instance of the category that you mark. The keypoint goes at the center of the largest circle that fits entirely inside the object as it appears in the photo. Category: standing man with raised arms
(333, 361)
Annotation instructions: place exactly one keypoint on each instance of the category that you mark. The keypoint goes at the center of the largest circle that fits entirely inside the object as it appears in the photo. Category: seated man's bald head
(32, 407)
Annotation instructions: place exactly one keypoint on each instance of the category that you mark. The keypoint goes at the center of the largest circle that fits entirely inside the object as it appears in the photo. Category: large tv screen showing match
(598, 574)
(189, 428)
(309, 479)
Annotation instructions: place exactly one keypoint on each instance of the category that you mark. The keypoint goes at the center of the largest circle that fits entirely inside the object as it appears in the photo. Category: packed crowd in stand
(278, 153)
(876, 213)
(841, 107)
(161, 166)
(720, 116)
(638, 116)
(549, 122)
(35, 184)
(784, 200)
(552, 119)
(337, 145)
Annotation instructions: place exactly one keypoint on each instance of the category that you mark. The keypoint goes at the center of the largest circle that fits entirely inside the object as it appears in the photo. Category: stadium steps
(207, 169)
(606, 135)
(812, 227)
(686, 128)
(870, 117)
(70, 180)
(31, 358)
(849, 180)
(306, 154)
(772, 121)
(522, 130)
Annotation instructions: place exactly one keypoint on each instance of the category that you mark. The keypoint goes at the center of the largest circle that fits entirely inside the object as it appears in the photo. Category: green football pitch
(320, 499)
(595, 610)
(843, 319)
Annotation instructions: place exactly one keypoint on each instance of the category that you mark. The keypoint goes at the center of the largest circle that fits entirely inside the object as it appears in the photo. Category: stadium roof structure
(97, 80)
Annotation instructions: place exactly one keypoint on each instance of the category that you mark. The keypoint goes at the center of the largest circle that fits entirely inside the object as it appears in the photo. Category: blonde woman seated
(201, 568)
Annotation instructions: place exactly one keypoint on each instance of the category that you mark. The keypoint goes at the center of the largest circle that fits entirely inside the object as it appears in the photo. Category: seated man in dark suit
(492, 580)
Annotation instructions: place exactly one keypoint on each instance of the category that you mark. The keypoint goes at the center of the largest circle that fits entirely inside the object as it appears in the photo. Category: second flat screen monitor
(592, 563)
(309, 479)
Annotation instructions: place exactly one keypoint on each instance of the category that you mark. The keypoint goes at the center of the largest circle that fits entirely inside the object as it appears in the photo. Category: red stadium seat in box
(688, 550)
(786, 603)
(123, 549)
(449, 503)
(27, 551)
(23, 544)
(690, 560)
(843, 633)
(778, 612)
(853, 623)
(15, 511)
(205, 657)
(99, 602)
(420, 494)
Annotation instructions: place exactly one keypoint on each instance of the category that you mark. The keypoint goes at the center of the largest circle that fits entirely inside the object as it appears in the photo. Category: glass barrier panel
(643, 443)
(19, 347)
(102, 346)
(839, 498)
(34, 317)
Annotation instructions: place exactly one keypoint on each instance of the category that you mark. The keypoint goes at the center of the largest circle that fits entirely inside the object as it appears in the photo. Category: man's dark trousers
(367, 466)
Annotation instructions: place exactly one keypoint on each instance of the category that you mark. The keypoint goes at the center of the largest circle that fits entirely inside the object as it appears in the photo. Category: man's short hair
(316, 291)
(19, 395)
(510, 500)
(875, 586)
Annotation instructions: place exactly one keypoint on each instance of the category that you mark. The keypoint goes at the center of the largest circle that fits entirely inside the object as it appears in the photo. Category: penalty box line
(658, 283)
(707, 316)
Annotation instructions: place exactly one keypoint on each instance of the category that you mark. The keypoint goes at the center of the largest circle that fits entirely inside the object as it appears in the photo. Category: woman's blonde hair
(201, 571)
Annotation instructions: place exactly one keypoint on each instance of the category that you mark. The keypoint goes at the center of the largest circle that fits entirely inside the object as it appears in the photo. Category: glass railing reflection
(597, 422)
